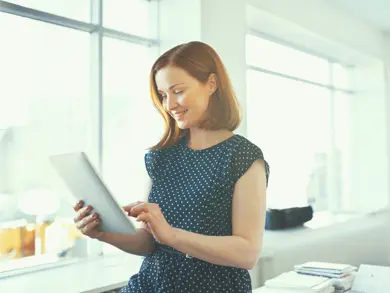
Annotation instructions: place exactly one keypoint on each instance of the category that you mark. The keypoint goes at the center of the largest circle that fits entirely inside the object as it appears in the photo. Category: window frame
(97, 33)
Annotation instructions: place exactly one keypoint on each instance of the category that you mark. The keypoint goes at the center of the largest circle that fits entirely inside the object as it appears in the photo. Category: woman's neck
(201, 139)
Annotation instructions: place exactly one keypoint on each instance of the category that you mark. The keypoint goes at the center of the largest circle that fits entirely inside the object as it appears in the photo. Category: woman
(204, 217)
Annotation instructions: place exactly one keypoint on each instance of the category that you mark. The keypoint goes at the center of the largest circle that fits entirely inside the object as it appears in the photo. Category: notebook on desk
(294, 282)
(326, 267)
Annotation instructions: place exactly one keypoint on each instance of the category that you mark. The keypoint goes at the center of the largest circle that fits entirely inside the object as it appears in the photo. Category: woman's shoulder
(155, 155)
(242, 145)
(244, 153)
(158, 160)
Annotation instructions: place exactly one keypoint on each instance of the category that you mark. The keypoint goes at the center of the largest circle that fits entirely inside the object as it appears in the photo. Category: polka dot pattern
(194, 189)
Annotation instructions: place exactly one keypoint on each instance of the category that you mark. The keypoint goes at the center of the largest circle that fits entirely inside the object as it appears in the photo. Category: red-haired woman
(204, 217)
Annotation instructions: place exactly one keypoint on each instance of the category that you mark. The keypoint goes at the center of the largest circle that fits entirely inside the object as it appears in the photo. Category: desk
(88, 276)
(266, 290)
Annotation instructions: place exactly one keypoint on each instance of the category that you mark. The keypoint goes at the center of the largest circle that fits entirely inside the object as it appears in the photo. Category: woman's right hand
(129, 207)
(87, 224)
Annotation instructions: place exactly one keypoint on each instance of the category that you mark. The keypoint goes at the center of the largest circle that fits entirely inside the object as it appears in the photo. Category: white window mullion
(332, 170)
(96, 75)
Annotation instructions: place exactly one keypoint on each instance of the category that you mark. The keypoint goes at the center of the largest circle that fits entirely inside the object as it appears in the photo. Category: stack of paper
(294, 282)
(342, 275)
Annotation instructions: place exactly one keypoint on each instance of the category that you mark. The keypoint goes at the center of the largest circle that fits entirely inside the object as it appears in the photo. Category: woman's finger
(145, 217)
(82, 213)
(85, 221)
(145, 208)
(78, 206)
(91, 225)
(132, 205)
(138, 209)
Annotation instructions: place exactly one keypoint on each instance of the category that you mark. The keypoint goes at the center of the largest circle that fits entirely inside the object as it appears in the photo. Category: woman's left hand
(152, 216)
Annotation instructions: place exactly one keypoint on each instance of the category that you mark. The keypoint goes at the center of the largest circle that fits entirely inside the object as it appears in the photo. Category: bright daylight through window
(70, 81)
(298, 113)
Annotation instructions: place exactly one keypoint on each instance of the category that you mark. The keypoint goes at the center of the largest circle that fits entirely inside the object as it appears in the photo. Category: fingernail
(95, 215)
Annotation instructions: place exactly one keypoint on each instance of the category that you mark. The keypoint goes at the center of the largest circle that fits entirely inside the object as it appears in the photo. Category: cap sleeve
(245, 155)
(153, 163)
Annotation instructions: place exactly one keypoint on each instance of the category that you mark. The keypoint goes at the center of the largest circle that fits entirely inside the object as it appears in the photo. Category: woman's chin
(183, 124)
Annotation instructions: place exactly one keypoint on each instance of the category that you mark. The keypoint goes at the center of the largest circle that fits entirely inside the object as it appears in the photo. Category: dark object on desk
(287, 218)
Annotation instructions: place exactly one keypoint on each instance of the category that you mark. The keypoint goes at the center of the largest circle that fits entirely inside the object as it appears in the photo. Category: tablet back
(85, 184)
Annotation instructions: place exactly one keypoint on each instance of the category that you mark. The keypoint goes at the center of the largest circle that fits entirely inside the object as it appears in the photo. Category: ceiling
(376, 12)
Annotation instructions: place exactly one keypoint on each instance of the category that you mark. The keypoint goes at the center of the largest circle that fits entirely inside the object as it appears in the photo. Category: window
(299, 119)
(44, 108)
(278, 58)
(342, 145)
(118, 15)
(49, 103)
(75, 9)
(130, 122)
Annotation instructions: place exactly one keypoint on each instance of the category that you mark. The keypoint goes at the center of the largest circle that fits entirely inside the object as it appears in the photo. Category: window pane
(282, 59)
(44, 107)
(75, 9)
(131, 124)
(289, 120)
(341, 76)
(130, 16)
(342, 127)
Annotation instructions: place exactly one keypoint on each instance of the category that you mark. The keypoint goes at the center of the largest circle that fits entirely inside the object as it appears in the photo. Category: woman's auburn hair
(200, 61)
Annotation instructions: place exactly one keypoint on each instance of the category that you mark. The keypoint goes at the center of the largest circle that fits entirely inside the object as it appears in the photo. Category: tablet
(85, 184)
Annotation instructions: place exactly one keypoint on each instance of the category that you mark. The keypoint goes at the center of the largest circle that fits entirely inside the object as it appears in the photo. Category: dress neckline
(185, 141)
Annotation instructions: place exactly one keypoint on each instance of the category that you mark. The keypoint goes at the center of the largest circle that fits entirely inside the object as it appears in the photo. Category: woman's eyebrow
(172, 86)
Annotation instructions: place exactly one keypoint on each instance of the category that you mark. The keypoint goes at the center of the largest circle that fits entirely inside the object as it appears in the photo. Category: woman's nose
(170, 103)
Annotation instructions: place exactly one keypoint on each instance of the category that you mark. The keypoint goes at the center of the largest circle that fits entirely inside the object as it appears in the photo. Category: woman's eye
(178, 92)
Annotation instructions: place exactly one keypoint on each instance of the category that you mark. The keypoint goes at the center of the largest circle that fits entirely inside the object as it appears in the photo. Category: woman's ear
(212, 83)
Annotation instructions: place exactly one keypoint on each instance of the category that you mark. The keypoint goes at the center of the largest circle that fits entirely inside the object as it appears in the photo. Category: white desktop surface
(88, 276)
(265, 290)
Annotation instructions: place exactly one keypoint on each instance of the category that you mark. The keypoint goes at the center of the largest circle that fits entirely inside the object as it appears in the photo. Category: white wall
(327, 22)
(369, 148)
(187, 20)
(387, 62)
(387, 76)
(225, 31)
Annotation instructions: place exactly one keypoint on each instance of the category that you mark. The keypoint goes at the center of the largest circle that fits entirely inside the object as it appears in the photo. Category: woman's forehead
(170, 76)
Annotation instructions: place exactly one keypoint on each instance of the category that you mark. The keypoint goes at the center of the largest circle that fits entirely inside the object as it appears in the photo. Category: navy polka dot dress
(194, 189)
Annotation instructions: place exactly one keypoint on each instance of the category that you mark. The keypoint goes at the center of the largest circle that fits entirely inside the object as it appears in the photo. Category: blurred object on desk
(371, 279)
(342, 275)
(294, 282)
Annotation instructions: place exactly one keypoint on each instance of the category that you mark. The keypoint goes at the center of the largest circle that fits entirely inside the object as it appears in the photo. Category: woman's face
(184, 97)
